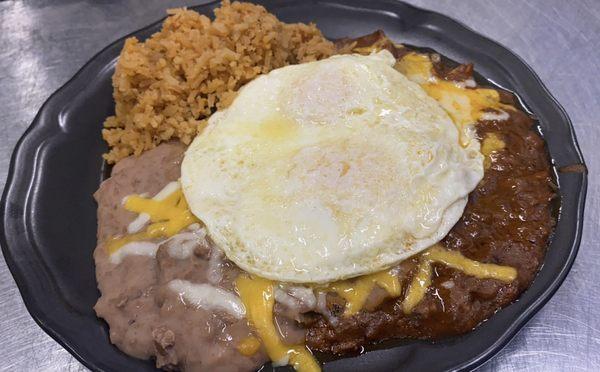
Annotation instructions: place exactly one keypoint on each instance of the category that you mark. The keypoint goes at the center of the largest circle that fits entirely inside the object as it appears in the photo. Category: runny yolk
(422, 280)
(257, 294)
(356, 291)
(168, 216)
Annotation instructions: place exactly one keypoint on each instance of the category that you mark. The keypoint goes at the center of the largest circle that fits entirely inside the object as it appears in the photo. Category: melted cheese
(258, 297)
(119, 242)
(465, 106)
(499, 115)
(436, 254)
(295, 297)
(491, 143)
(168, 216)
(206, 296)
(356, 291)
(137, 248)
(418, 286)
(470, 267)
(142, 219)
(249, 346)
(416, 67)
(182, 245)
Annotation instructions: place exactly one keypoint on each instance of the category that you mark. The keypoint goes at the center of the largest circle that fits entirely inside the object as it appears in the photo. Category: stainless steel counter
(44, 42)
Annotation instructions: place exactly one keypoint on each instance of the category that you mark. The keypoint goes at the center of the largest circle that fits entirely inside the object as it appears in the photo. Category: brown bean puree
(508, 221)
(147, 319)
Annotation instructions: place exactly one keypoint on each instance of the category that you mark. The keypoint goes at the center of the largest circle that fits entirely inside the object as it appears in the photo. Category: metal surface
(43, 43)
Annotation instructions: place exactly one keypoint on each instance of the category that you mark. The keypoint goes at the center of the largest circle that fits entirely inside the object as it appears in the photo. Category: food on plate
(352, 192)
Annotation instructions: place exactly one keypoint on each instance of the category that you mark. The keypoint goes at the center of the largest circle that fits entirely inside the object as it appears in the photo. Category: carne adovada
(365, 192)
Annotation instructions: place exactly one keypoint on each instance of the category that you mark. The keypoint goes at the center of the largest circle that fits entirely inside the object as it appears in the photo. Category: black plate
(49, 215)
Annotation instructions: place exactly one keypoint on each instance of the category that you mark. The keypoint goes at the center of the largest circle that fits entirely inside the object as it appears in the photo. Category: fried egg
(329, 170)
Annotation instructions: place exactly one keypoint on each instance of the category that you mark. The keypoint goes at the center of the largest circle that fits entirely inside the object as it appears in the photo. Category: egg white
(328, 170)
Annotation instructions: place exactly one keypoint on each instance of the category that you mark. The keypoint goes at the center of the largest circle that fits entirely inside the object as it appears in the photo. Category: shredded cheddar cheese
(470, 267)
(356, 291)
(257, 294)
(491, 143)
(418, 286)
(168, 216)
(417, 67)
(249, 346)
(118, 242)
(464, 105)
(422, 280)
